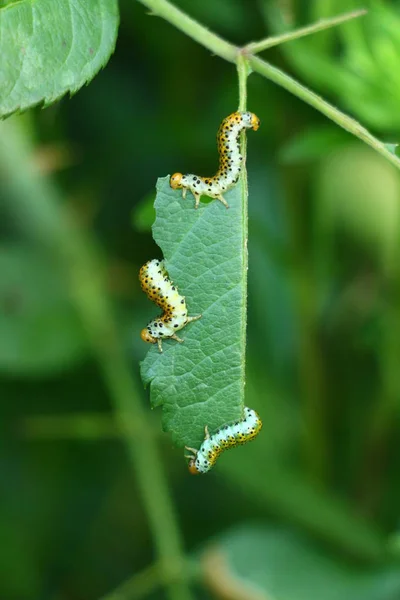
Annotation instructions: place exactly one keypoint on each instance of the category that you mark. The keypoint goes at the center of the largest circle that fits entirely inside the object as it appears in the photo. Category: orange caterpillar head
(255, 122)
(176, 181)
(193, 470)
(146, 337)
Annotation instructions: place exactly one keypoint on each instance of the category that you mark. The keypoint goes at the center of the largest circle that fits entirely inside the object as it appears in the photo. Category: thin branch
(151, 579)
(80, 427)
(140, 585)
(255, 47)
(243, 73)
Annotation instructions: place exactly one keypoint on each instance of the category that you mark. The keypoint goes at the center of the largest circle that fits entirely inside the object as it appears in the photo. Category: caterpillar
(228, 436)
(230, 160)
(159, 288)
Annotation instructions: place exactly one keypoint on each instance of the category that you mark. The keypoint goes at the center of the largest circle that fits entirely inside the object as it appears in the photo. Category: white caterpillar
(202, 460)
(160, 289)
(230, 161)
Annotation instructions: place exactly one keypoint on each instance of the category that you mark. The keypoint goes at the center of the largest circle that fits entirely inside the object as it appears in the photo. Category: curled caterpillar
(160, 289)
(202, 460)
(230, 161)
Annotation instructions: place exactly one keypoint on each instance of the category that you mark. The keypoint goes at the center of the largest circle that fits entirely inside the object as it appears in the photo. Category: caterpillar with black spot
(159, 288)
(230, 161)
(228, 436)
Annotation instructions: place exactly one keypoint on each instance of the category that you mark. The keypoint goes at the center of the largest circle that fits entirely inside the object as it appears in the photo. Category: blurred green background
(312, 508)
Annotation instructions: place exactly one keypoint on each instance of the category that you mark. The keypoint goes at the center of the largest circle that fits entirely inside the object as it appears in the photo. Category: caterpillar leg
(176, 338)
(193, 450)
(197, 199)
(193, 469)
(170, 337)
(222, 199)
(196, 318)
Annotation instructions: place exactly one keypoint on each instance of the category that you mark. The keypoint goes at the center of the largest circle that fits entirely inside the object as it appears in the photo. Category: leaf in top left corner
(51, 47)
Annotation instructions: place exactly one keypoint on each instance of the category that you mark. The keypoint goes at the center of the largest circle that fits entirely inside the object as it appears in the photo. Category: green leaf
(39, 330)
(286, 566)
(201, 382)
(49, 48)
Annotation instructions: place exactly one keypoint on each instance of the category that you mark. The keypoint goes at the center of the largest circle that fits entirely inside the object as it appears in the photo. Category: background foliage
(311, 509)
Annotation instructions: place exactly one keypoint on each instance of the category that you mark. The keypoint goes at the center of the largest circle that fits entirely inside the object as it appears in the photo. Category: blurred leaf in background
(362, 72)
(268, 562)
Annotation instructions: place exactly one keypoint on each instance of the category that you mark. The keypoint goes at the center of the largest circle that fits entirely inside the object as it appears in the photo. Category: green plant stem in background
(269, 42)
(36, 204)
(139, 585)
(89, 427)
(310, 365)
(149, 581)
(229, 52)
(385, 411)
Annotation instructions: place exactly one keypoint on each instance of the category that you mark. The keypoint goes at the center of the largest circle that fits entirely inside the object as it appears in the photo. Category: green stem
(310, 367)
(37, 207)
(243, 73)
(139, 585)
(79, 427)
(149, 581)
(229, 52)
(383, 418)
(276, 40)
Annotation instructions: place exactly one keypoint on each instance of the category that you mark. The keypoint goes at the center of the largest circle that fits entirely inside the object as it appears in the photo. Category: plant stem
(37, 208)
(243, 72)
(310, 366)
(79, 427)
(148, 581)
(84, 427)
(255, 47)
(139, 585)
(384, 414)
